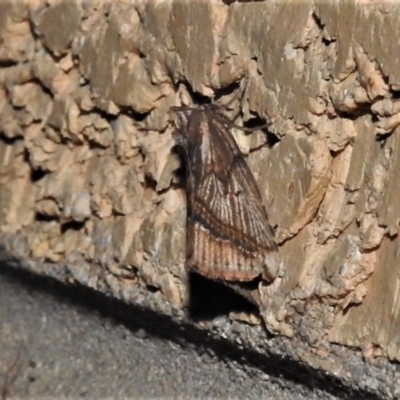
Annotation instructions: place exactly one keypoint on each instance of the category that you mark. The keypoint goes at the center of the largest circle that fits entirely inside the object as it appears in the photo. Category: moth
(229, 237)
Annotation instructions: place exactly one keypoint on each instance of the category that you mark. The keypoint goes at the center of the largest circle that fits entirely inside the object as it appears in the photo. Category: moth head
(190, 123)
(181, 116)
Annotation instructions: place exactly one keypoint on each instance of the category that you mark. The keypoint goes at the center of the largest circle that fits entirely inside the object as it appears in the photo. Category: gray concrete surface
(59, 342)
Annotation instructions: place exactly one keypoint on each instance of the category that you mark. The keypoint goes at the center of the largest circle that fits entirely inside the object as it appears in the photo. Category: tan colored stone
(91, 183)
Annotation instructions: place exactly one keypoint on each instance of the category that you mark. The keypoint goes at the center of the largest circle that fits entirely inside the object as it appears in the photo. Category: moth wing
(228, 233)
(233, 238)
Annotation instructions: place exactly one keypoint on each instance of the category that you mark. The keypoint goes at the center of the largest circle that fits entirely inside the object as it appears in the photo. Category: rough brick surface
(88, 178)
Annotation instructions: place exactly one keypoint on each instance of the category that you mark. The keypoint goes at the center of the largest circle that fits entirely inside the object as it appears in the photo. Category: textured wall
(88, 180)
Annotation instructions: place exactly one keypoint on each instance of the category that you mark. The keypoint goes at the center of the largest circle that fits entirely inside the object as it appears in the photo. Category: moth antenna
(237, 96)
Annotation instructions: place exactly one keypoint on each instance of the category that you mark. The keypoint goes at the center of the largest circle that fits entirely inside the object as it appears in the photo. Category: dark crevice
(374, 118)
(395, 93)
(199, 98)
(361, 110)
(45, 89)
(327, 42)
(336, 153)
(137, 318)
(45, 218)
(227, 90)
(8, 63)
(150, 182)
(152, 289)
(229, 2)
(37, 174)
(138, 52)
(347, 115)
(209, 299)
(9, 141)
(72, 225)
(272, 139)
(142, 155)
(254, 123)
(104, 114)
(321, 26)
(129, 112)
(382, 138)
(257, 122)
(318, 21)
(94, 145)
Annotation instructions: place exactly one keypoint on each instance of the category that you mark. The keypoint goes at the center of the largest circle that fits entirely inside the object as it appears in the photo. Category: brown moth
(228, 233)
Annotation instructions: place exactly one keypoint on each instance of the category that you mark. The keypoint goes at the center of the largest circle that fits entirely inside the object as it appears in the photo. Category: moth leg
(238, 95)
